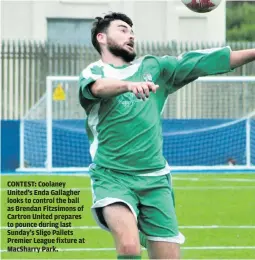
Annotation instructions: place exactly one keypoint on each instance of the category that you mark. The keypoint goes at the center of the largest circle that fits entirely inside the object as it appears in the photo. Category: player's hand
(142, 89)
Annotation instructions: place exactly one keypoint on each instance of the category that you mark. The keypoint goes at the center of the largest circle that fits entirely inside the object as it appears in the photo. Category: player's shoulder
(146, 58)
(150, 59)
(168, 62)
(94, 68)
(162, 63)
(164, 58)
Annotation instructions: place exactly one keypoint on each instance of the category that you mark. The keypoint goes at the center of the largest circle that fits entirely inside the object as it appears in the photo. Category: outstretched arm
(106, 88)
(239, 58)
(199, 63)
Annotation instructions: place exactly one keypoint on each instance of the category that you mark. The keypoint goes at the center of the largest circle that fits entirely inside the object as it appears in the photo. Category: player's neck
(109, 58)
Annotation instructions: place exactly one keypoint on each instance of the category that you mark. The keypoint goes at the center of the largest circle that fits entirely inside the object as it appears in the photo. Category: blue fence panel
(214, 146)
(9, 145)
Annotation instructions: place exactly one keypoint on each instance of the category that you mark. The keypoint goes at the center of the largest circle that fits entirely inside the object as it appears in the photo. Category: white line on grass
(213, 179)
(213, 187)
(53, 174)
(173, 176)
(217, 247)
(185, 178)
(182, 248)
(216, 227)
(234, 180)
(181, 227)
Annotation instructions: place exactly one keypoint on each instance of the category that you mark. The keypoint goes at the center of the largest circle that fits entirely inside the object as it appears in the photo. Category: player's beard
(119, 51)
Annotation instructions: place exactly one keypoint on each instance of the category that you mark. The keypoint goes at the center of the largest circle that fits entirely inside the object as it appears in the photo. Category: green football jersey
(125, 133)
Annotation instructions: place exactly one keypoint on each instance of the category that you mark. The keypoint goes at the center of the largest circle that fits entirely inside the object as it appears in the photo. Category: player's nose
(131, 37)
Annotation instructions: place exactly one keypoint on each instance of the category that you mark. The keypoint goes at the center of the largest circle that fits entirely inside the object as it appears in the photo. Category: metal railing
(25, 66)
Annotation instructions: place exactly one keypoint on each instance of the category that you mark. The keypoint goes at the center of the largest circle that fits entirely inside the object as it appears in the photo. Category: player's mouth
(130, 45)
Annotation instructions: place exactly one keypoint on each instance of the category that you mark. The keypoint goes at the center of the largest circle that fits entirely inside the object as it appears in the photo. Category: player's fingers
(134, 90)
(149, 84)
(152, 86)
(140, 93)
(146, 90)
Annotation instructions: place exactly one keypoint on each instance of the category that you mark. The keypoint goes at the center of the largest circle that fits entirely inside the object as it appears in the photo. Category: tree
(240, 21)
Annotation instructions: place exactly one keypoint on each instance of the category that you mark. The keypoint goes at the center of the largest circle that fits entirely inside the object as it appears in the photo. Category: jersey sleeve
(194, 64)
(87, 77)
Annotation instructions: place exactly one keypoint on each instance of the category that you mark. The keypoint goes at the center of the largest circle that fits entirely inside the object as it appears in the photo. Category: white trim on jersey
(161, 172)
(120, 74)
(111, 72)
(179, 239)
(93, 120)
(86, 73)
(106, 202)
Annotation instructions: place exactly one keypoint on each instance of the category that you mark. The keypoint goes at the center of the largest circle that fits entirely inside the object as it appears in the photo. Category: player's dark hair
(100, 25)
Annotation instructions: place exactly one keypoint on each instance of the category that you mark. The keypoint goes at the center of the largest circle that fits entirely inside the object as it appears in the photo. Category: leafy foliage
(240, 21)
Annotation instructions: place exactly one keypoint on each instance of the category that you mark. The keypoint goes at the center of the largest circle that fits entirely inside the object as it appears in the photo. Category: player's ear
(102, 38)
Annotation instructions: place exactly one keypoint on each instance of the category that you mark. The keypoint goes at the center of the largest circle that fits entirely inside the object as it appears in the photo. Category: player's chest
(125, 105)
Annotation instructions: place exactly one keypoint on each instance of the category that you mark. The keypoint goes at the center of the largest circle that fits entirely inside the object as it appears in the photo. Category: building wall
(153, 20)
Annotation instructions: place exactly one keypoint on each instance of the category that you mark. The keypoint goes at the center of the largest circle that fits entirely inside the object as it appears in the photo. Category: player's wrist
(128, 86)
